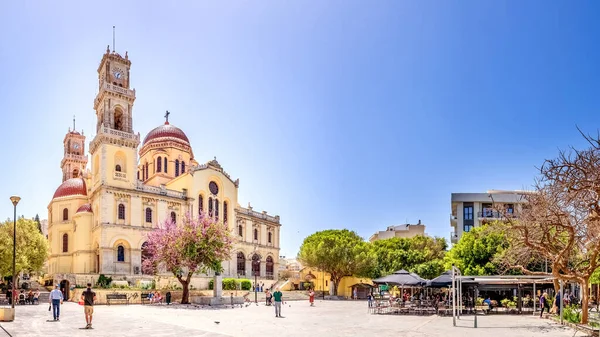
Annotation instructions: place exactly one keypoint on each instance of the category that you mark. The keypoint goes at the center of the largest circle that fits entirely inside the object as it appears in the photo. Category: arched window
(241, 264)
(173, 217)
(121, 212)
(177, 167)
(269, 267)
(65, 243)
(138, 175)
(210, 207)
(165, 164)
(255, 234)
(119, 120)
(65, 214)
(159, 164)
(120, 253)
(148, 214)
(217, 209)
(270, 237)
(255, 265)
(200, 204)
(75, 173)
(225, 211)
(118, 168)
(240, 230)
(182, 167)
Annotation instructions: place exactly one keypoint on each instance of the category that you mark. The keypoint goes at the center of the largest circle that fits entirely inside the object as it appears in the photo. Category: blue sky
(333, 114)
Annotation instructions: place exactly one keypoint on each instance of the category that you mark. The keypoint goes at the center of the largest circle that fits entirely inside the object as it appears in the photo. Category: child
(311, 298)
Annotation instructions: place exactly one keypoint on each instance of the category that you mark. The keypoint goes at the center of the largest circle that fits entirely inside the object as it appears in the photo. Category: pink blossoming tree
(194, 245)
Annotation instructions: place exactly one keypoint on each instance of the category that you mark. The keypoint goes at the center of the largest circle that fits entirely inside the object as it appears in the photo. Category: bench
(144, 297)
(116, 297)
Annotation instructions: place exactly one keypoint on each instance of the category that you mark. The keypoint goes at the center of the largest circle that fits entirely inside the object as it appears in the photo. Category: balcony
(493, 215)
(120, 175)
(453, 237)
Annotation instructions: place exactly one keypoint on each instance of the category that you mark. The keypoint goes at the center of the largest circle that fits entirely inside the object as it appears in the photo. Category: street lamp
(15, 200)
(254, 270)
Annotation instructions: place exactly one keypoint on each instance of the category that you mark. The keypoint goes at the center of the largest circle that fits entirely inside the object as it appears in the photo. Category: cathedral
(99, 218)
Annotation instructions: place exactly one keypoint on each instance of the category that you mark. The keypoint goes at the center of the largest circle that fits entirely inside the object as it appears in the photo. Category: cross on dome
(167, 117)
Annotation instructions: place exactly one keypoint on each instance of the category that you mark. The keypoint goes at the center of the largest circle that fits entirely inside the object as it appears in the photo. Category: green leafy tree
(38, 223)
(476, 251)
(420, 254)
(339, 253)
(32, 247)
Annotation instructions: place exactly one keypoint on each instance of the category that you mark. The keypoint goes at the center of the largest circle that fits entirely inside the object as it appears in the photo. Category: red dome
(166, 131)
(84, 208)
(73, 186)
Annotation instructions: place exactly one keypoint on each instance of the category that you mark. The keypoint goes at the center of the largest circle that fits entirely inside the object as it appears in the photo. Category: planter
(7, 314)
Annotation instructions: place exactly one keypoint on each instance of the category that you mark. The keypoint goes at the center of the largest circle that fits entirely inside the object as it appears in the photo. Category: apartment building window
(467, 227)
(468, 213)
(510, 209)
(488, 210)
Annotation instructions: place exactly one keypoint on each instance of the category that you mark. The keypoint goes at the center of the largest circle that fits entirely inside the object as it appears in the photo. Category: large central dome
(166, 132)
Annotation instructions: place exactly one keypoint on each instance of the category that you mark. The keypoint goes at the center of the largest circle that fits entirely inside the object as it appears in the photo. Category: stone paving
(329, 318)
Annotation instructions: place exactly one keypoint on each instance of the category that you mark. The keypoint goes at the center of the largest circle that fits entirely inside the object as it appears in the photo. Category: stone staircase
(287, 296)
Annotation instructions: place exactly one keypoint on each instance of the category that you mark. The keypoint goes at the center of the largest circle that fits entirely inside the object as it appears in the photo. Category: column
(263, 267)
(249, 267)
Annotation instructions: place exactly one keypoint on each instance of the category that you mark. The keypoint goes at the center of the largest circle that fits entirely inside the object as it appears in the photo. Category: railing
(258, 214)
(120, 175)
(120, 90)
(108, 131)
(75, 157)
(493, 214)
(159, 190)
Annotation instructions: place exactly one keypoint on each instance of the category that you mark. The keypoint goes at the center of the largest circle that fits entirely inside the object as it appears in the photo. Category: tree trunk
(336, 283)
(185, 284)
(584, 300)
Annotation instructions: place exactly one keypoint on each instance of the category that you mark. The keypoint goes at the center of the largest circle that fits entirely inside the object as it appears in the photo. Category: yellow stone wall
(315, 276)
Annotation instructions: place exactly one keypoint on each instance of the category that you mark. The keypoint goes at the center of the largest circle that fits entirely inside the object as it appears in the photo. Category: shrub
(103, 281)
(572, 314)
(229, 284)
(211, 284)
(246, 284)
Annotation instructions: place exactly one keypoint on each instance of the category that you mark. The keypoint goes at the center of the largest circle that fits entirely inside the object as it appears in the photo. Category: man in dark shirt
(88, 297)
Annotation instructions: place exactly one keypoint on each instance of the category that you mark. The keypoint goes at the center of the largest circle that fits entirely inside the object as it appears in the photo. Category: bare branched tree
(560, 220)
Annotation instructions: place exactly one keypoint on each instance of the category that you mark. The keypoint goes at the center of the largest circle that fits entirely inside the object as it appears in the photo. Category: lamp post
(15, 200)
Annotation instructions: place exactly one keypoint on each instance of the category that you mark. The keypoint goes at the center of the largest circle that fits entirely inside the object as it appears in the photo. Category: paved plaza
(329, 318)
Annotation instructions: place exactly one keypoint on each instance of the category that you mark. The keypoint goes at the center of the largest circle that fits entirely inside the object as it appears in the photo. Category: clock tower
(74, 161)
(113, 149)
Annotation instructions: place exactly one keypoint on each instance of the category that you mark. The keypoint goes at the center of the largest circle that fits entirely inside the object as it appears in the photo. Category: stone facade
(98, 219)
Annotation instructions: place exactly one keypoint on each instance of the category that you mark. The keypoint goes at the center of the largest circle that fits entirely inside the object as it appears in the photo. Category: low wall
(135, 295)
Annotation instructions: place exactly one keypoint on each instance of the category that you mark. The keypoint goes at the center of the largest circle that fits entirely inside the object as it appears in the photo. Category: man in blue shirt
(56, 299)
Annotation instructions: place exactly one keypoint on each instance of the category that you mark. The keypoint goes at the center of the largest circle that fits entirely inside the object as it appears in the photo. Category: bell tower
(114, 148)
(74, 161)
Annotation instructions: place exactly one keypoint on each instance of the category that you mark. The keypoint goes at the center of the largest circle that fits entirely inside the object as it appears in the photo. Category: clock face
(75, 146)
(118, 75)
(213, 187)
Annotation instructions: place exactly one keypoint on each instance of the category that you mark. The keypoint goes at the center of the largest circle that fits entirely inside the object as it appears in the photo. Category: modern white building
(470, 210)
(399, 231)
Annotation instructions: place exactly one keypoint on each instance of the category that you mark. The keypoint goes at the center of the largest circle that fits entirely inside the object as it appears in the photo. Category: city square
(326, 318)
(388, 168)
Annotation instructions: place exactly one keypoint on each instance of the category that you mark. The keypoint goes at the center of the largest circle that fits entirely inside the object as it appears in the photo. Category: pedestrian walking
(311, 297)
(355, 293)
(277, 297)
(88, 297)
(56, 299)
(544, 304)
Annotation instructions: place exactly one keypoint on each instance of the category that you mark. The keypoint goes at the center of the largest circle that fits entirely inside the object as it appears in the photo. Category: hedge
(232, 284)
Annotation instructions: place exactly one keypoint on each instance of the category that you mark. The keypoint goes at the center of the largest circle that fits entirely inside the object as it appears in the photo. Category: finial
(73, 123)
(167, 117)
(108, 49)
(126, 57)
(215, 158)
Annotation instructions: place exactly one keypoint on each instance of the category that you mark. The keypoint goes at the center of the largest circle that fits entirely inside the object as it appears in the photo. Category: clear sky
(333, 114)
